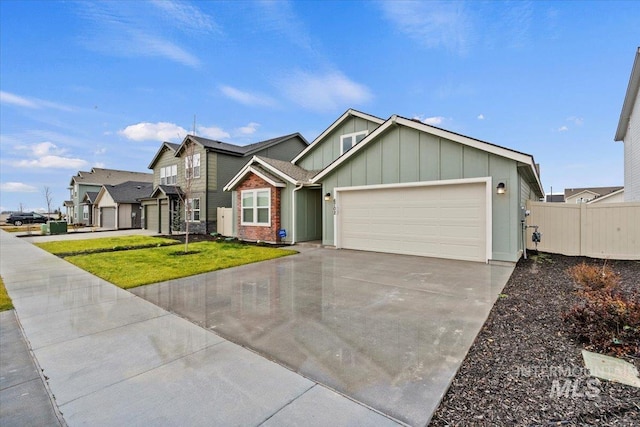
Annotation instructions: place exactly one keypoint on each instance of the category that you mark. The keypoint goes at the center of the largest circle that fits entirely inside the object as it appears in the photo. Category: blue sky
(102, 84)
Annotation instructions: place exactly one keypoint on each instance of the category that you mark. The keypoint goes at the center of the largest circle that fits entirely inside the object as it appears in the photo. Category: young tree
(48, 195)
(191, 166)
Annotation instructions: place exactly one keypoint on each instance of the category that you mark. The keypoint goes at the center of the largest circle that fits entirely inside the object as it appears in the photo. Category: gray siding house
(79, 208)
(199, 167)
(395, 185)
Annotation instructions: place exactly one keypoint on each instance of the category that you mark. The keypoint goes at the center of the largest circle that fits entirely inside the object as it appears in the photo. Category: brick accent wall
(256, 232)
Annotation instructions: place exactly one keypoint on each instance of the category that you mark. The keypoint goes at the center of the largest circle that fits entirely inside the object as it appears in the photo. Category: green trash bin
(57, 227)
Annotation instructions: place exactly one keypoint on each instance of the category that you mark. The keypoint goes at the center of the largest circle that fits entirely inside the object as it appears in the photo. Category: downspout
(293, 217)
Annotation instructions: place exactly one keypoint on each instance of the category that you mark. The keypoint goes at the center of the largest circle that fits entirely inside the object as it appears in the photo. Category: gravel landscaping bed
(517, 370)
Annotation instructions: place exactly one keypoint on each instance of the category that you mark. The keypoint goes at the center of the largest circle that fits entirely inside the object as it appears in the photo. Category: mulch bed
(524, 353)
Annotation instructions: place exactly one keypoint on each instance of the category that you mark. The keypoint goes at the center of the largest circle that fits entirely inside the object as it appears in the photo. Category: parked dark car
(19, 218)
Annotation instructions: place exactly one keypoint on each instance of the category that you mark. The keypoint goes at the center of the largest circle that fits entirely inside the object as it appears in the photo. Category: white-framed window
(169, 175)
(192, 210)
(192, 166)
(85, 212)
(349, 140)
(256, 207)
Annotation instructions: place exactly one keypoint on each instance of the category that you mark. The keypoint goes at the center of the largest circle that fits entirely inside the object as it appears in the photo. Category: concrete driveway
(389, 331)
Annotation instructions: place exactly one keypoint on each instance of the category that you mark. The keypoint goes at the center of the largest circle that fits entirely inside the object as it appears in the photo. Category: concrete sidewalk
(112, 358)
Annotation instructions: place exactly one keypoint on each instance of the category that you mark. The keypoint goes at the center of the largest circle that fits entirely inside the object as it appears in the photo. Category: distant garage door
(151, 217)
(443, 221)
(108, 217)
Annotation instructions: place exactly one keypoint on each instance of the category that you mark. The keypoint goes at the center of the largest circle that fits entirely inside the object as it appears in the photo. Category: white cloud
(161, 131)
(249, 129)
(246, 98)
(33, 103)
(433, 24)
(186, 16)
(578, 121)
(434, 121)
(129, 29)
(52, 162)
(43, 148)
(324, 92)
(10, 98)
(100, 151)
(17, 187)
(563, 129)
(480, 117)
(213, 132)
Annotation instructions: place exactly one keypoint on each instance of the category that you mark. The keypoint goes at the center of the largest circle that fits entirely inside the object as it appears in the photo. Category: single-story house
(395, 185)
(119, 206)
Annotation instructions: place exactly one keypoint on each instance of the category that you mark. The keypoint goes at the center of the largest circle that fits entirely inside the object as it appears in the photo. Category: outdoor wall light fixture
(501, 188)
(327, 197)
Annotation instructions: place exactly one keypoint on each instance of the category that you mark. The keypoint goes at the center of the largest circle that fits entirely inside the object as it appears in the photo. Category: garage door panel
(447, 221)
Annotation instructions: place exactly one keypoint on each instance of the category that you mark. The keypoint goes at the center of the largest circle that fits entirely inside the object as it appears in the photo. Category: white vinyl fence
(604, 230)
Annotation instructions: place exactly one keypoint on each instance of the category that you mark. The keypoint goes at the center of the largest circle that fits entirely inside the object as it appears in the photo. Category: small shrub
(592, 278)
(607, 321)
(605, 318)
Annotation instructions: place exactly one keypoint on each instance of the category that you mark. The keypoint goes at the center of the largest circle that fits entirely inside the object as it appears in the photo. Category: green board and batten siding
(403, 155)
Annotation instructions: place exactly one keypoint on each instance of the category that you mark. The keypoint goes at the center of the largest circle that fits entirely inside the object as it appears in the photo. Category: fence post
(583, 228)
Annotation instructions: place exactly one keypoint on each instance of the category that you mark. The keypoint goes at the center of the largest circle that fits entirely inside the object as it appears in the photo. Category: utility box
(44, 229)
(57, 227)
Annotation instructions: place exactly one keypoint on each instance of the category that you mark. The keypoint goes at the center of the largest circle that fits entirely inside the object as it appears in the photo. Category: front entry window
(256, 207)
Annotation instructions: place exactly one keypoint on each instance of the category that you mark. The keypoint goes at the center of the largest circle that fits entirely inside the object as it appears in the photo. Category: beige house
(629, 132)
(594, 195)
(119, 207)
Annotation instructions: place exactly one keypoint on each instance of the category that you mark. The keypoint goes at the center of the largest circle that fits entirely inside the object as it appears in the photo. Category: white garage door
(108, 217)
(444, 221)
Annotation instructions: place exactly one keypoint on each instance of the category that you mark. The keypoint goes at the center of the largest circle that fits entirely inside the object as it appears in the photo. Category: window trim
(353, 135)
(255, 207)
(191, 218)
(167, 172)
(195, 166)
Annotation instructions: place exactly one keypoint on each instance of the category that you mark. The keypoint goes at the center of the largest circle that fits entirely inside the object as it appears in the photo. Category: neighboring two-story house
(395, 185)
(188, 179)
(629, 132)
(80, 208)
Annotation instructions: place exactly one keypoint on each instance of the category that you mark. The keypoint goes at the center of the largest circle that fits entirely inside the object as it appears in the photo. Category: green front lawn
(5, 301)
(131, 268)
(68, 247)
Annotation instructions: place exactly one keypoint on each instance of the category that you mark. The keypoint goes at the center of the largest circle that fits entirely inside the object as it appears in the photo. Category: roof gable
(166, 146)
(341, 120)
(595, 191)
(395, 120)
(275, 172)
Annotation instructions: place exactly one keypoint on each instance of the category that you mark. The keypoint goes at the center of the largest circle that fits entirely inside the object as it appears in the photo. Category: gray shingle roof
(296, 172)
(130, 191)
(242, 150)
(99, 176)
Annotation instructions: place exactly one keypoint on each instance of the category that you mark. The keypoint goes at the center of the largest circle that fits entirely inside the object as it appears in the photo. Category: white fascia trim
(341, 119)
(606, 196)
(633, 90)
(488, 203)
(583, 191)
(391, 121)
